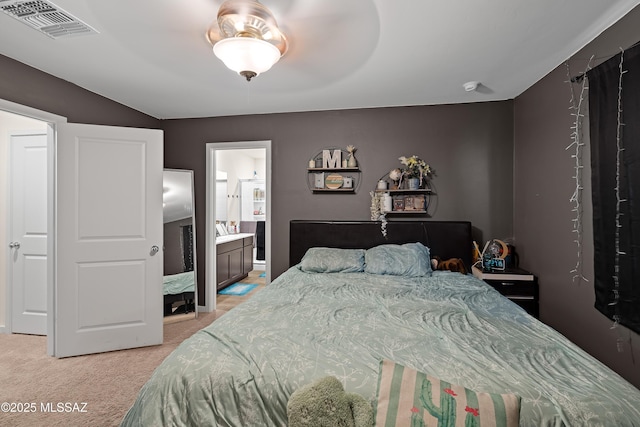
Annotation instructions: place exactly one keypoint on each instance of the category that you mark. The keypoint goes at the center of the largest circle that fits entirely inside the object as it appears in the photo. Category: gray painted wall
(27, 86)
(470, 146)
(543, 219)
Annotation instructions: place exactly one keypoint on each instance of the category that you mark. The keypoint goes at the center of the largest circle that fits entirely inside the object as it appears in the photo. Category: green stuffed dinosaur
(324, 403)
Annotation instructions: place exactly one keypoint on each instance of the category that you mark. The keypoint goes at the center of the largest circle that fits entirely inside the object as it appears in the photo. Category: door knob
(154, 249)
(15, 245)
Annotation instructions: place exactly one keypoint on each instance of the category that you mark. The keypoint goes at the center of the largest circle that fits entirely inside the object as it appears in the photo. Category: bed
(178, 287)
(324, 316)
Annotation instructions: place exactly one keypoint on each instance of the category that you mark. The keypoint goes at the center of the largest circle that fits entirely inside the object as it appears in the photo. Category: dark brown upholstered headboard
(446, 239)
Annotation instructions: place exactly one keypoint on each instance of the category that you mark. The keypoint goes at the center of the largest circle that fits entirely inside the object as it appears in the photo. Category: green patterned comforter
(241, 369)
(178, 283)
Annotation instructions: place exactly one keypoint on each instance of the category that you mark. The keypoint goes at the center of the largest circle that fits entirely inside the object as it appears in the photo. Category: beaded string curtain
(577, 107)
(614, 128)
(187, 247)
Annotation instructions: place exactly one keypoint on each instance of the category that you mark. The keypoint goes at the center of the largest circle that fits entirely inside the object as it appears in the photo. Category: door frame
(53, 121)
(210, 228)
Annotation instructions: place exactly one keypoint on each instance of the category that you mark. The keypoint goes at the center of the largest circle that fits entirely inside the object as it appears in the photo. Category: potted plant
(415, 172)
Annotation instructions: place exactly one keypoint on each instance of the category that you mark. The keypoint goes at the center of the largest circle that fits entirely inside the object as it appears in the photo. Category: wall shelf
(407, 191)
(337, 177)
(356, 169)
(333, 190)
(406, 201)
(412, 212)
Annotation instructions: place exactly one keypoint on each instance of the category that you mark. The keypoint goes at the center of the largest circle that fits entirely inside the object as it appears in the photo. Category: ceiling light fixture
(247, 38)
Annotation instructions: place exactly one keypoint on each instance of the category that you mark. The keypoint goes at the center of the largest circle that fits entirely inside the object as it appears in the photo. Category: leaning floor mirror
(180, 278)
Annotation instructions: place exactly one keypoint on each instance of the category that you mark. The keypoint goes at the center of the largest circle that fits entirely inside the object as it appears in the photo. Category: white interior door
(108, 232)
(28, 233)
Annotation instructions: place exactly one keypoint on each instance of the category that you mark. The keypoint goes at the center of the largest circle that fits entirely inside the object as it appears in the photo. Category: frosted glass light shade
(246, 54)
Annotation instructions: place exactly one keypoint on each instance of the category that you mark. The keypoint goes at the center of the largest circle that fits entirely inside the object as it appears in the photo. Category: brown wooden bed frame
(446, 239)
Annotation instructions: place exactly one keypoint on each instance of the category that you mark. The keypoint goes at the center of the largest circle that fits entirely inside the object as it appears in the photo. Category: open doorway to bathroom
(238, 210)
(241, 196)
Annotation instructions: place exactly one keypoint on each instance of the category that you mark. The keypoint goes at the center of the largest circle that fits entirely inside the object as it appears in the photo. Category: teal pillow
(333, 260)
(410, 259)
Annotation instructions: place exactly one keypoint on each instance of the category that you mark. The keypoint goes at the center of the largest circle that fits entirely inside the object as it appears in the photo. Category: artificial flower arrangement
(396, 176)
(377, 213)
(415, 167)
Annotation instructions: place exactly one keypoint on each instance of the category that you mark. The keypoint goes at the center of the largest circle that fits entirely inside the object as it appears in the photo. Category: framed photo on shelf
(398, 203)
(319, 180)
(419, 203)
(408, 203)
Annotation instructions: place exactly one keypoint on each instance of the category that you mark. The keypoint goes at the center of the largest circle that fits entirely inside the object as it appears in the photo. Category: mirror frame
(193, 225)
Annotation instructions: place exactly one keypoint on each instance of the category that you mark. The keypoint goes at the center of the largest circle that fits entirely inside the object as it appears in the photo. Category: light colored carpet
(108, 382)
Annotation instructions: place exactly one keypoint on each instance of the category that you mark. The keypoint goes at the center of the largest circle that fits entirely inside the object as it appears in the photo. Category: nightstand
(519, 285)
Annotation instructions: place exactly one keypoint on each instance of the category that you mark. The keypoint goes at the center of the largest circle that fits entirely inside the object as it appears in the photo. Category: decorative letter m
(331, 161)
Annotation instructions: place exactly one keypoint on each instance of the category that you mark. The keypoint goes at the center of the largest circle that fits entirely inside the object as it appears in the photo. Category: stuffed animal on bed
(324, 403)
(451, 264)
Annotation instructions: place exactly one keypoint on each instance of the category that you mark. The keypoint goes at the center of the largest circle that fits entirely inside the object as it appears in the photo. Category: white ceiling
(152, 55)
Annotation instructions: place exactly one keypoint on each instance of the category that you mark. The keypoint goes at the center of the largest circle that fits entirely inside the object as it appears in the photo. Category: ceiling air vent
(46, 17)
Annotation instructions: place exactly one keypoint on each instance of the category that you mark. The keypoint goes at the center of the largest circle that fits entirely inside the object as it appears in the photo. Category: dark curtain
(604, 83)
(187, 247)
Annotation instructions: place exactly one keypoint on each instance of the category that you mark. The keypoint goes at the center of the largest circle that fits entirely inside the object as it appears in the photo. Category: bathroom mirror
(180, 272)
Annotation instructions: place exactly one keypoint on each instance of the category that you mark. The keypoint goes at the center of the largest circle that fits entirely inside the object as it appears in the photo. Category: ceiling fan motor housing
(248, 18)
